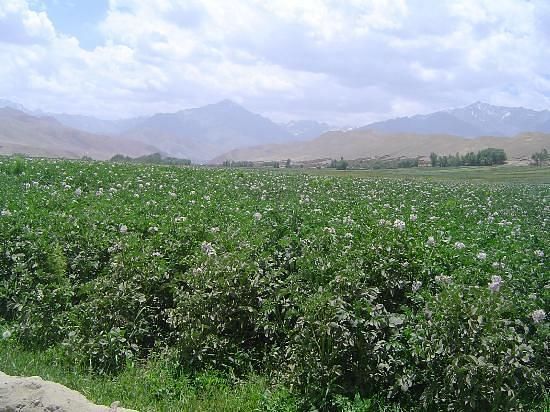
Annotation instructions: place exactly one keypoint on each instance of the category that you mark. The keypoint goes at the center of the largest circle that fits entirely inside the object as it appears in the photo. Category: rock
(18, 394)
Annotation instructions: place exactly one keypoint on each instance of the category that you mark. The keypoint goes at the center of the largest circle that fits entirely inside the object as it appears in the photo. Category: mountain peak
(227, 103)
(479, 105)
(13, 105)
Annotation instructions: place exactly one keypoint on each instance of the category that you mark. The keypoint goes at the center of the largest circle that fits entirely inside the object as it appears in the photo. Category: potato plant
(431, 295)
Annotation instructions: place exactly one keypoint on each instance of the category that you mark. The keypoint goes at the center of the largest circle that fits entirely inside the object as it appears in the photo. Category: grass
(495, 174)
(155, 386)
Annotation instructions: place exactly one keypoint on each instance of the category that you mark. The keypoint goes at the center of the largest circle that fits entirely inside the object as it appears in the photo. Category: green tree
(433, 159)
(540, 158)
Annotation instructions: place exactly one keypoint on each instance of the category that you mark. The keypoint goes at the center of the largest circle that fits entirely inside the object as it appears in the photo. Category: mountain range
(226, 130)
(204, 132)
(21, 132)
(477, 119)
(306, 129)
(198, 134)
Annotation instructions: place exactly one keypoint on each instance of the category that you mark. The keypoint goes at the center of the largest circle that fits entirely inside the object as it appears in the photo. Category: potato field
(420, 294)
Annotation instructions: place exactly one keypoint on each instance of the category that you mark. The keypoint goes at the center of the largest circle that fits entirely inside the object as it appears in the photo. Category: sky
(345, 62)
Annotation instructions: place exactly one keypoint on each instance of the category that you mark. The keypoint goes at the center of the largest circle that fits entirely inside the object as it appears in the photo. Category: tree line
(485, 157)
(155, 158)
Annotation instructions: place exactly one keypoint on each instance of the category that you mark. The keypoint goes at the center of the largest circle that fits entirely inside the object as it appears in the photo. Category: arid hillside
(45, 136)
(357, 144)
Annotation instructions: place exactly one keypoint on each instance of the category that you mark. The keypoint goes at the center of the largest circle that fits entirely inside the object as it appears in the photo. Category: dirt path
(34, 394)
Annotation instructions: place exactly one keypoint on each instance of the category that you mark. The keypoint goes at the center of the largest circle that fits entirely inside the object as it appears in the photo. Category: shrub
(467, 354)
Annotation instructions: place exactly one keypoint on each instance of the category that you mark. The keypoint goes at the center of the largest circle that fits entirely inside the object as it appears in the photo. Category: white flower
(443, 279)
(416, 285)
(459, 245)
(6, 334)
(347, 220)
(482, 255)
(78, 192)
(405, 382)
(413, 218)
(257, 216)
(538, 315)
(153, 229)
(123, 229)
(399, 224)
(495, 283)
(539, 253)
(180, 219)
(5, 212)
(382, 222)
(431, 241)
(208, 248)
(330, 230)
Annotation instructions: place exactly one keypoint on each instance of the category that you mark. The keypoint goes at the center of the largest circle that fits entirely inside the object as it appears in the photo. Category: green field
(495, 174)
(221, 289)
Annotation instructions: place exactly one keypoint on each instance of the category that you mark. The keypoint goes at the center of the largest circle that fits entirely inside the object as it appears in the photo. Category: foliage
(403, 163)
(154, 158)
(430, 295)
(339, 164)
(540, 158)
(485, 157)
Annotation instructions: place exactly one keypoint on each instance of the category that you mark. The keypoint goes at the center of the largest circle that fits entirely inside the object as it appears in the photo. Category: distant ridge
(198, 133)
(208, 131)
(477, 119)
(307, 129)
(367, 143)
(44, 136)
(227, 128)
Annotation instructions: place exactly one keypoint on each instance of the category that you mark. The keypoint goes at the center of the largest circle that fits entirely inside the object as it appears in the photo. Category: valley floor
(495, 174)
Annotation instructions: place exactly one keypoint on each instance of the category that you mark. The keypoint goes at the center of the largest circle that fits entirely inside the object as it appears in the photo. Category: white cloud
(353, 61)
(19, 25)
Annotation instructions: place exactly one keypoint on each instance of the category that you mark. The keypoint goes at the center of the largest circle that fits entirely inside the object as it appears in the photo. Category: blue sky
(344, 62)
(76, 18)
